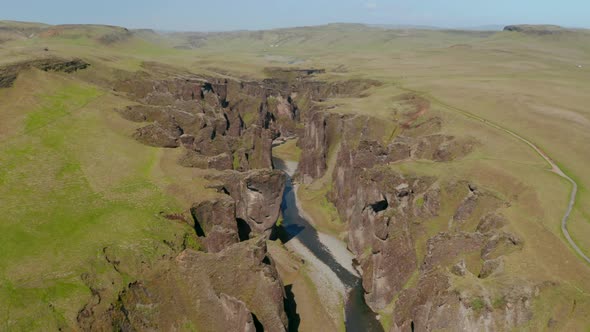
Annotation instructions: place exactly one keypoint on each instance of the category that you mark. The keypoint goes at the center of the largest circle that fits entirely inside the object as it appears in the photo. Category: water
(359, 316)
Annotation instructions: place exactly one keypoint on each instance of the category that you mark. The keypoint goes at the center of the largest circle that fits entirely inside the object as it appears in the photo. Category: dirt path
(554, 168)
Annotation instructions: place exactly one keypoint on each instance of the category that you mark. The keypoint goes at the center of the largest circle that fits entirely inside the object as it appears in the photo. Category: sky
(219, 15)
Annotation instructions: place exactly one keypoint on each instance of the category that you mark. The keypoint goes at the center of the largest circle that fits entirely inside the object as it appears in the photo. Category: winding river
(359, 316)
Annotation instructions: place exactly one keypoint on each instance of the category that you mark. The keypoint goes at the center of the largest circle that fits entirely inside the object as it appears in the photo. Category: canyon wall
(226, 127)
(417, 237)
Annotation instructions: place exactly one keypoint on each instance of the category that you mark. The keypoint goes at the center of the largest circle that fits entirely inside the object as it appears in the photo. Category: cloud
(371, 5)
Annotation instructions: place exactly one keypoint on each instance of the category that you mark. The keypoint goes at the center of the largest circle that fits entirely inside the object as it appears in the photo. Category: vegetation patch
(477, 304)
(499, 302)
(288, 151)
(279, 222)
(420, 201)
(60, 104)
(64, 201)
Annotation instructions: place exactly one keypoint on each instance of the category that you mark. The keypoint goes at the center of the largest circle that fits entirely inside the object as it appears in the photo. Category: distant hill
(490, 27)
(537, 29)
(12, 30)
(405, 26)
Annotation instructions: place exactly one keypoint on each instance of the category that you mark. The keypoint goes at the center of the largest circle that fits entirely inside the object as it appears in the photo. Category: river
(359, 317)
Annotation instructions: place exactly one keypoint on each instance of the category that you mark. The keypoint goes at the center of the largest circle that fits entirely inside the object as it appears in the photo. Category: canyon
(230, 126)
(181, 182)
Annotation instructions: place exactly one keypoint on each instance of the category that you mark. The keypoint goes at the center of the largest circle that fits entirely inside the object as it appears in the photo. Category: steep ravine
(227, 128)
(414, 237)
(432, 251)
(358, 316)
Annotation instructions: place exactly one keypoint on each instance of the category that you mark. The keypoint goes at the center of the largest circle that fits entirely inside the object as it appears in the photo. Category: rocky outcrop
(436, 304)
(361, 147)
(9, 73)
(232, 285)
(390, 216)
(248, 205)
(313, 162)
(237, 316)
(388, 211)
(223, 124)
(215, 220)
(258, 195)
(239, 290)
(379, 207)
(115, 36)
(155, 134)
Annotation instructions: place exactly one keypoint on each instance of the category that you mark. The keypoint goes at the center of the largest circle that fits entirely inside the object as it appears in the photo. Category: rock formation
(235, 290)
(9, 73)
(248, 205)
(258, 195)
(405, 254)
(223, 124)
(215, 220)
(389, 215)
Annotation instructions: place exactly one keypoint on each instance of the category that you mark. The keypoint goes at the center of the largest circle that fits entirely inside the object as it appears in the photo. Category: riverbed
(333, 272)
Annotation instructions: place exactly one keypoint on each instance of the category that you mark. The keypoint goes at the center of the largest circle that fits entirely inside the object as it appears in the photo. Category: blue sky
(214, 15)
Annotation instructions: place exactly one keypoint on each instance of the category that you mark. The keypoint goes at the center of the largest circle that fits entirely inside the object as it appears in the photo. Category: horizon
(483, 27)
(186, 16)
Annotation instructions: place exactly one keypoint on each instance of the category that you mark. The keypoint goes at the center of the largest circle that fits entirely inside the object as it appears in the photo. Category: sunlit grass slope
(74, 188)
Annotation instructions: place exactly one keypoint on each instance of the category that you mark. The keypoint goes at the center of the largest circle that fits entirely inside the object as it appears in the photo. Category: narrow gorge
(412, 252)
(344, 278)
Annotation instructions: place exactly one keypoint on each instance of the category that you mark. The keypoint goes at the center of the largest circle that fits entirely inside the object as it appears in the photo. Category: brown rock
(258, 195)
(220, 162)
(466, 208)
(156, 135)
(9, 73)
(490, 222)
(315, 145)
(239, 288)
(237, 315)
(445, 248)
(459, 269)
(491, 266)
(193, 159)
(215, 219)
(501, 244)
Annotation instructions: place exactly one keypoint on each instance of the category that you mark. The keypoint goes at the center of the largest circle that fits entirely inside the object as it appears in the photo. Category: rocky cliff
(258, 195)
(417, 238)
(220, 123)
(9, 73)
(231, 283)
(248, 205)
(228, 127)
(235, 290)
